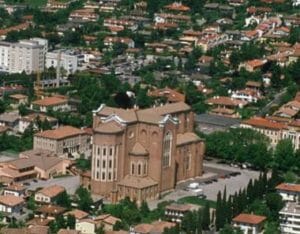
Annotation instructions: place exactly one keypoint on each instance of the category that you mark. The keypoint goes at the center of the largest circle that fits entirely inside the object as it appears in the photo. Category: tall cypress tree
(219, 212)
(206, 217)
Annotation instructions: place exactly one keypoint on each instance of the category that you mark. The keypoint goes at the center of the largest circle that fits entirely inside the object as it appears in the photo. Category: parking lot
(215, 178)
(71, 183)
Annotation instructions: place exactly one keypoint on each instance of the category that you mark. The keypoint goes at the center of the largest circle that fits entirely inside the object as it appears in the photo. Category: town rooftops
(51, 209)
(225, 101)
(264, 123)
(249, 219)
(155, 227)
(289, 187)
(52, 191)
(68, 231)
(107, 218)
(171, 94)
(51, 101)
(15, 187)
(177, 6)
(179, 207)
(34, 229)
(60, 133)
(78, 214)
(11, 200)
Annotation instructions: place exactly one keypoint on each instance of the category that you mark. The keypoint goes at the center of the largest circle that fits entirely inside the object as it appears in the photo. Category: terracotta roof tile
(249, 219)
(264, 123)
(186, 138)
(52, 191)
(11, 200)
(78, 214)
(62, 132)
(289, 187)
(137, 182)
(50, 101)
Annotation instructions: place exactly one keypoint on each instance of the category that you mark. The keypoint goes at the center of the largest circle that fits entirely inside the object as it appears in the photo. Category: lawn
(36, 3)
(197, 201)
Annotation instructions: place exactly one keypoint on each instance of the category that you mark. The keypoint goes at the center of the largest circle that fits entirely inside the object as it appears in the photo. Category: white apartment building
(69, 60)
(23, 56)
(290, 218)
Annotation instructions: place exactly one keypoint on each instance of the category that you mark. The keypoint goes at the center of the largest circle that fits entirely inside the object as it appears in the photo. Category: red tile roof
(289, 187)
(62, 132)
(264, 123)
(249, 219)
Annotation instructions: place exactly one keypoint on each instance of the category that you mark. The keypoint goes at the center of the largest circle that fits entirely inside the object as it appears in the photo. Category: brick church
(143, 153)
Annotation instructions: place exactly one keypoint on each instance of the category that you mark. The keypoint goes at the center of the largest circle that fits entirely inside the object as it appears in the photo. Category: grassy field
(197, 201)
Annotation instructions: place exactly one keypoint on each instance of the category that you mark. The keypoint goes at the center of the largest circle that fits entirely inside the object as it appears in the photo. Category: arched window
(139, 169)
(132, 169)
(166, 161)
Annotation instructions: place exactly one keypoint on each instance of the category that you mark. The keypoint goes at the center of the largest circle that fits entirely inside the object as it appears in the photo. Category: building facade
(67, 140)
(143, 153)
(23, 56)
(289, 217)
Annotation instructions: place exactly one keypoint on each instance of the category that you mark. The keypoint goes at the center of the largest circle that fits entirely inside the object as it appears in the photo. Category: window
(139, 169)
(145, 169)
(103, 163)
(132, 168)
(110, 151)
(103, 175)
(167, 149)
(110, 164)
(104, 151)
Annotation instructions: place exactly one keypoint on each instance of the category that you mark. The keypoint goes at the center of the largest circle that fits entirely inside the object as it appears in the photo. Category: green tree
(84, 199)
(206, 217)
(71, 221)
(31, 204)
(63, 199)
(284, 155)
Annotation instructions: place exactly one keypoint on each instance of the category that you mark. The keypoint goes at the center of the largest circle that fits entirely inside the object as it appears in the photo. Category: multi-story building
(23, 56)
(143, 153)
(249, 223)
(275, 131)
(68, 60)
(289, 192)
(290, 218)
(54, 103)
(66, 140)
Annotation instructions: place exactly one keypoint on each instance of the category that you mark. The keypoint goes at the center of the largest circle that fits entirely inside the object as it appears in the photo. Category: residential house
(253, 65)
(11, 205)
(176, 212)
(289, 192)
(107, 221)
(84, 15)
(177, 7)
(15, 189)
(87, 226)
(31, 167)
(288, 110)
(18, 99)
(110, 41)
(50, 211)
(78, 214)
(225, 106)
(36, 119)
(248, 95)
(48, 194)
(55, 103)
(67, 140)
(10, 119)
(170, 95)
(249, 223)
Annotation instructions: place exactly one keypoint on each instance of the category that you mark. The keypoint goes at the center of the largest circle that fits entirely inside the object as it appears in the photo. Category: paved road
(71, 183)
(276, 100)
